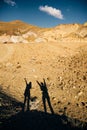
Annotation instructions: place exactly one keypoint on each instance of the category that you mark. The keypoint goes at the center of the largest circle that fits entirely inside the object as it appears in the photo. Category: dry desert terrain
(62, 63)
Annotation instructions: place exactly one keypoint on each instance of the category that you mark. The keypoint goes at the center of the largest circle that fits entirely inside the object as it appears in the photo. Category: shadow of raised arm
(25, 80)
(44, 81)
(38, 83)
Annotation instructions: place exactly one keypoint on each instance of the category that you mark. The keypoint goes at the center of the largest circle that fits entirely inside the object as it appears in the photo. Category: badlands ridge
(17, 31)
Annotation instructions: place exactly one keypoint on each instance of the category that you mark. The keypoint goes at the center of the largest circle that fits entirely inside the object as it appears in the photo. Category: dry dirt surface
(63, 65)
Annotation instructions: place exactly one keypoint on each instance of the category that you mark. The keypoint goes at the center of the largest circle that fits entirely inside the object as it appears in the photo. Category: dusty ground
(62, 65)
(12, 118)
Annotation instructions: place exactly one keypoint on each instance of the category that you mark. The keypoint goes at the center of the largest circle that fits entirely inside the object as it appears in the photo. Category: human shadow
(26, 104)
(45, 96)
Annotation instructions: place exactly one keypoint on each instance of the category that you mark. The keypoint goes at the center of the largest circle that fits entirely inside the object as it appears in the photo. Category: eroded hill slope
(18, 31)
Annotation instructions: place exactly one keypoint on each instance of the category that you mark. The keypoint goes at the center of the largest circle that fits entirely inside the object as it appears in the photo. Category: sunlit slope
(18, 31)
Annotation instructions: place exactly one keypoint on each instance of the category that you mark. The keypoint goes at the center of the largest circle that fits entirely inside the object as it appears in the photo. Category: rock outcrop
(20, 32)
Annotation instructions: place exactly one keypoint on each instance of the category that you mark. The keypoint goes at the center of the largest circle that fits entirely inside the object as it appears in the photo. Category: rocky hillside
(20, 32)
(62, 65)
(60, 57)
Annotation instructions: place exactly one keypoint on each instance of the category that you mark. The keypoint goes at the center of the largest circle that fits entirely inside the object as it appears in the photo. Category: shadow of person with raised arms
(45, 96)
(27, 95)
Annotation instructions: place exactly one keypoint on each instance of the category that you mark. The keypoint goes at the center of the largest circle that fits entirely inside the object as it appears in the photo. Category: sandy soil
(62, 65)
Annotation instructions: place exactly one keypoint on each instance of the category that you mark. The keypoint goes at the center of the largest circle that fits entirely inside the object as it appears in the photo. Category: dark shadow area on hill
(37, 120)
(8, 106)
(13, 118)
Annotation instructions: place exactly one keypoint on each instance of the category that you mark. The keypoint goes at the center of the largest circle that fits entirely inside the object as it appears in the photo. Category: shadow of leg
(44, 104)
(24, 104)
(28, 104)
(50, 106)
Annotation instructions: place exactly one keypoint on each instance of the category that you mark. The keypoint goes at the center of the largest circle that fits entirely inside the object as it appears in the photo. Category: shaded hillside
(8, 106)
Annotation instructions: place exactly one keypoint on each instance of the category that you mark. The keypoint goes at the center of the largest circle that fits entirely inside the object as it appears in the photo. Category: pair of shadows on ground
(45, 96)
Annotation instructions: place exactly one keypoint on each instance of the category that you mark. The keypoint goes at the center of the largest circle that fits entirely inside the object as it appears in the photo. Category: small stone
(19, 66)
(77, 104)
(48, 78)
(80, 93)
(53, 98)
(84, 77)
(83, 104)
(68, 103)
(59, 102)
(74, 87)
(65, 108)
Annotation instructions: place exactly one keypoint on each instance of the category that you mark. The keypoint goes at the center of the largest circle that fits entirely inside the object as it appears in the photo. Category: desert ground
(62, 64)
